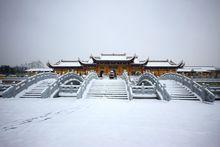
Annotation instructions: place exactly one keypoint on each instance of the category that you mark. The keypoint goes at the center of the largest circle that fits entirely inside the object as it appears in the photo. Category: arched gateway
(119, 63)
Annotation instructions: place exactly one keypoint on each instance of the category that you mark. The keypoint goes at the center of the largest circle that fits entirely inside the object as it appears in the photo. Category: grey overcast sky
(50, 30)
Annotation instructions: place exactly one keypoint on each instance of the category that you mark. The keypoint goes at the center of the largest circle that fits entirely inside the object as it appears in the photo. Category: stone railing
(73, 82)
(82, 88)
(56, 85)
(69, 88)
(125, 77)
(17, 88)
(163, 94)
(205, 94)
(50, 89)
(206, 80)
(69, 76)
(143, 89)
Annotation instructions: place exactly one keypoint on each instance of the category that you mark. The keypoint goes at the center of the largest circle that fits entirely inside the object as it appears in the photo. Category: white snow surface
(69, 122)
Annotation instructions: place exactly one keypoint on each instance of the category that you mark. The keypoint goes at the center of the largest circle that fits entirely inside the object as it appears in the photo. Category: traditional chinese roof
(65, 64)
(140, 62)
(116, 59)
(113, 58)
(89, 62)
(163, 64)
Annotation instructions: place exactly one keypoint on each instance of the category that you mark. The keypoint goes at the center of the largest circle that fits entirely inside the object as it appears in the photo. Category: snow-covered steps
(177, 91)
(37, 89)
(108, 88)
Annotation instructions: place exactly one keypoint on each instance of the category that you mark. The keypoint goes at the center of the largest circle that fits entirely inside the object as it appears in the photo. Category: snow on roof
(113, 57)
(137, 61)
(90, 61)
(160, 63)
(67, 63)
(197, 69)
(39, 70)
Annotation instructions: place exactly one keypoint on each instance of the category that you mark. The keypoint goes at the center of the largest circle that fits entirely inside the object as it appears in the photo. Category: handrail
(69, 88)
(204, 93)
(159, 87)
(55, 86)
(70, 75)
(71, 80)
(128, 85)
(17, 88)
(137, 89)
(82, 88)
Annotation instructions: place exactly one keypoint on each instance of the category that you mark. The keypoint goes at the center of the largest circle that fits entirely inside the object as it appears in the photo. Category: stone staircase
(177, 91)
(36, 90)
(106, 88)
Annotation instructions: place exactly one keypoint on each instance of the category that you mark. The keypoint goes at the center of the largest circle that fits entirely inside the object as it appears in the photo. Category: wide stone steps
(106, 88)
(36, 91)
(107, 97)
(31, 96)
(177, 91)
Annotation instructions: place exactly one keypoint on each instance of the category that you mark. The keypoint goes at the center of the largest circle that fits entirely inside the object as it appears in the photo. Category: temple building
(104, 63)
(200, 71)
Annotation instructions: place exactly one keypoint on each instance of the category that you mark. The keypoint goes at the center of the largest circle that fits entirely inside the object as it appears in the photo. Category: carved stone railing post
(128, 85)
(142, 88)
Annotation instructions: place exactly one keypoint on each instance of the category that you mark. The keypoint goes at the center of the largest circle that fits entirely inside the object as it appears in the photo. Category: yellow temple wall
(118, 68)
(161, 71)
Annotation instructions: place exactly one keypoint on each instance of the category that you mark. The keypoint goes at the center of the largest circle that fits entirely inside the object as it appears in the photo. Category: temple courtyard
(68, 122)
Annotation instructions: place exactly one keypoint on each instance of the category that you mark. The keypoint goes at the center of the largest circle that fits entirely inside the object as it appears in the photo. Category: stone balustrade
(205, 94)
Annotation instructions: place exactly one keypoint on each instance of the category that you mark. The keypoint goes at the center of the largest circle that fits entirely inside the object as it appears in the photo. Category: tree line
(19, 70)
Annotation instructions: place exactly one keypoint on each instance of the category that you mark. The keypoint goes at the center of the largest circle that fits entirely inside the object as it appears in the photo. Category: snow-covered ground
(68, 122)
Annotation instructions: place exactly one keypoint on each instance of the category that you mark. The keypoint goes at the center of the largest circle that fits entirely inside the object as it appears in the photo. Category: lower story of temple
(105, 69)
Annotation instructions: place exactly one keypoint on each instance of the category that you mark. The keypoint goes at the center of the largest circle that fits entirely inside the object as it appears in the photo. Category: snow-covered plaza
(110, 73)
(56, 122)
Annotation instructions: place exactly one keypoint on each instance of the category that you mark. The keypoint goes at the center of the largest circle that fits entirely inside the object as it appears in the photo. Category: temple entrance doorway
(115, 73)
(101, 73)
(114, 68)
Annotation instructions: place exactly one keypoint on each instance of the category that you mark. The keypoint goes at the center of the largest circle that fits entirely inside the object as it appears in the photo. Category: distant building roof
(65, 63)
(39, 70)
(197, 69)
